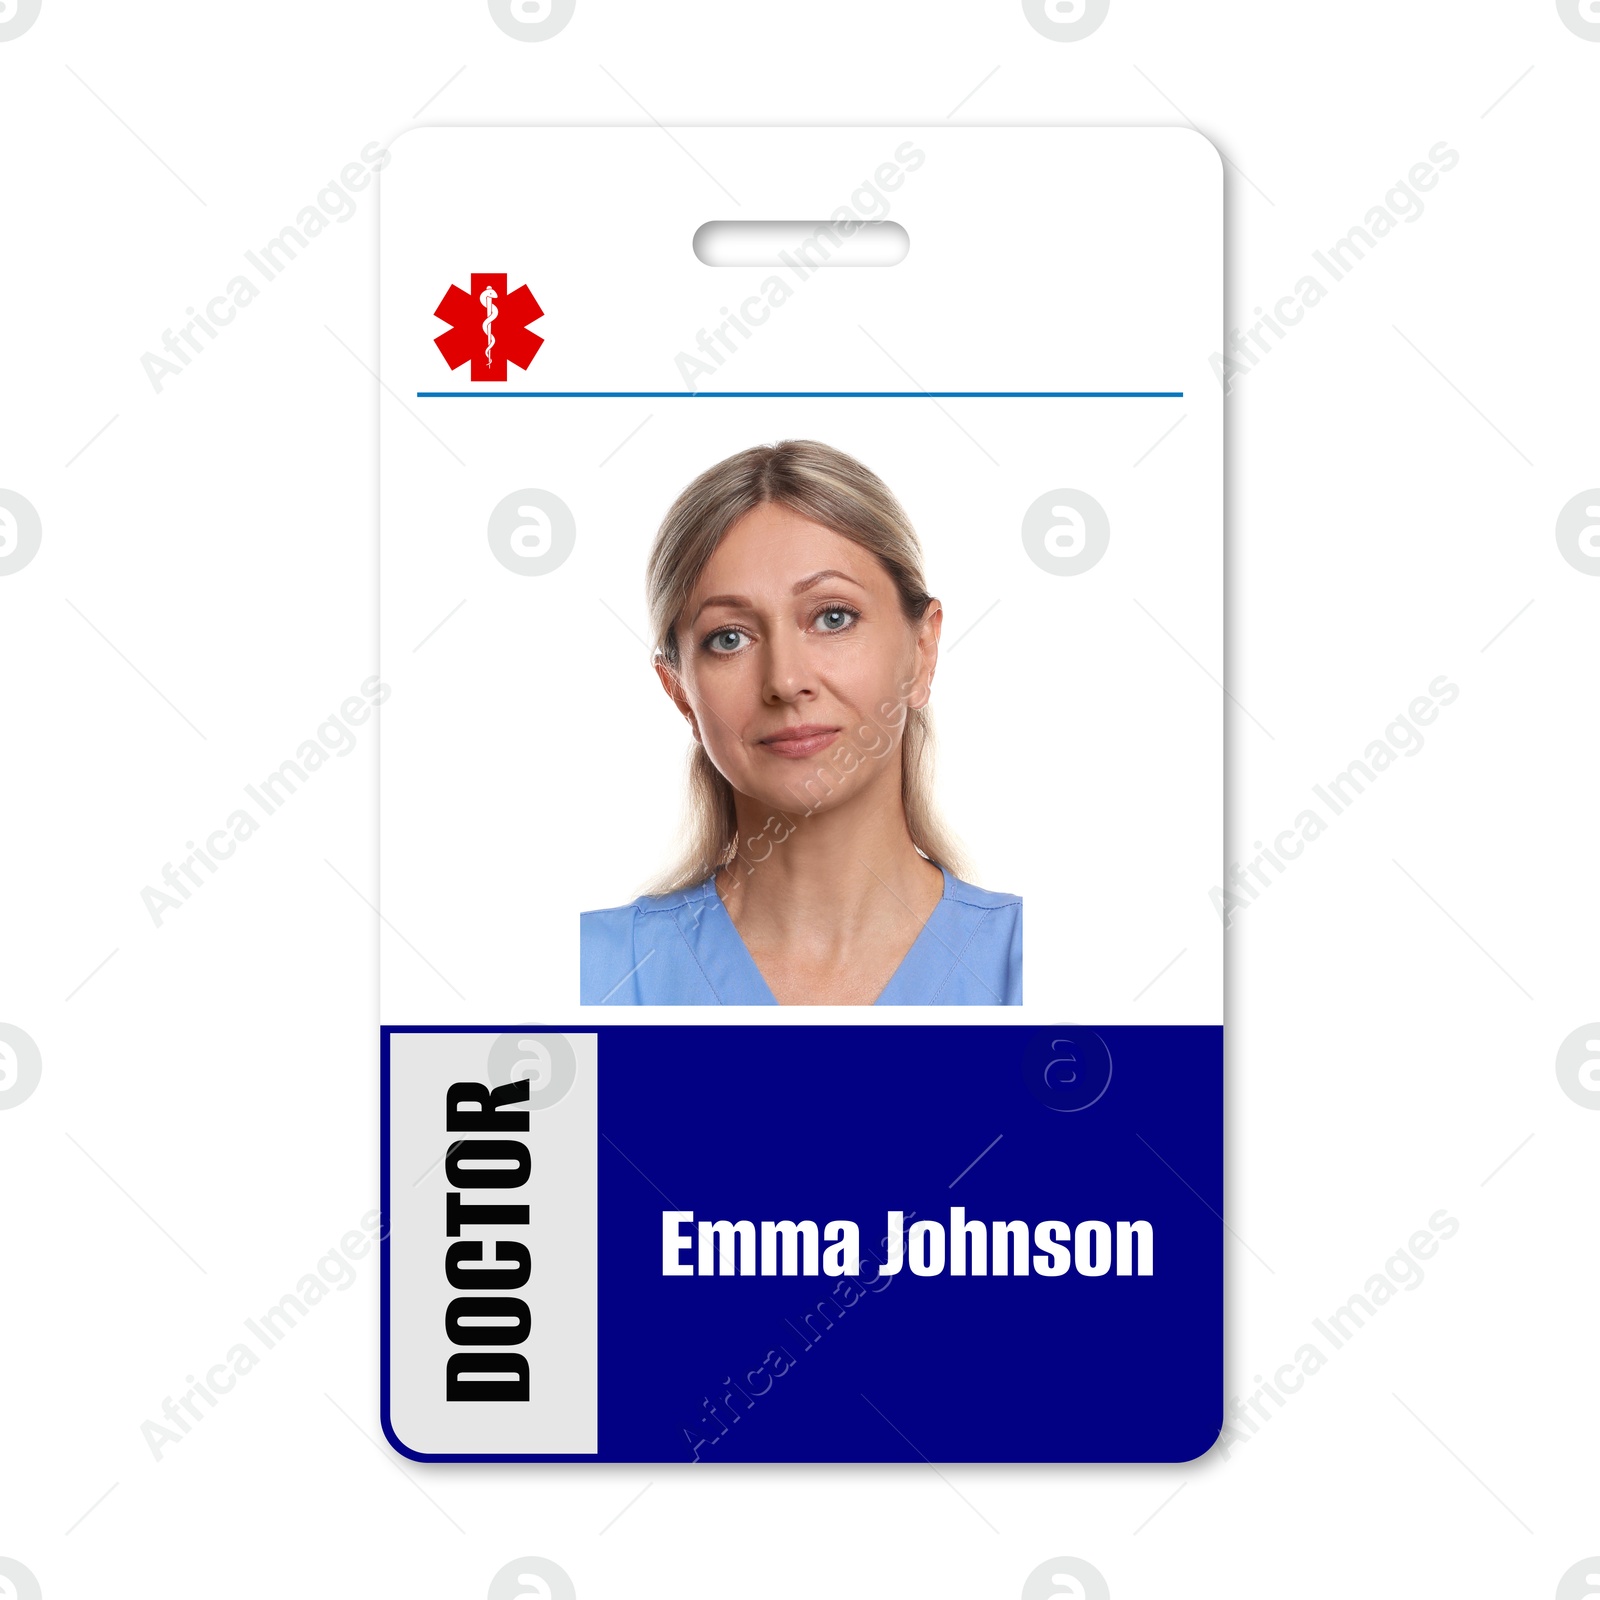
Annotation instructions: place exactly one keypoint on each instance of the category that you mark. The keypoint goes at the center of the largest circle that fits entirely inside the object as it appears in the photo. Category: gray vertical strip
(561, 1414)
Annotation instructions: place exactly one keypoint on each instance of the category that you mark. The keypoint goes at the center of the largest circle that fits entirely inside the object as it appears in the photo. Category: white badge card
(801, 790)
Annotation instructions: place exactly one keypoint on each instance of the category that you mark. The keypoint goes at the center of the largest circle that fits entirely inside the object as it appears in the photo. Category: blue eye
(835, 619)
(725, 641)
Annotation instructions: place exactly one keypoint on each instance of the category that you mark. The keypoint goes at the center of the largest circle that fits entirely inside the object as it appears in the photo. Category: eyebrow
(739, 600)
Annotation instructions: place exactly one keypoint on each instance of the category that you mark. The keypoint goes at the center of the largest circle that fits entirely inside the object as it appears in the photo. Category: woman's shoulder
(643, 953)
(647, 904)
(969, 894)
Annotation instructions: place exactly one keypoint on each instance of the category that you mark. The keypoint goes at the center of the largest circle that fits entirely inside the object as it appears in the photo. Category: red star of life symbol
(488, 327)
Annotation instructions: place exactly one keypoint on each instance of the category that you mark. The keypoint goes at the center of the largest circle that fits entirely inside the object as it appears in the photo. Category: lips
(803, 740)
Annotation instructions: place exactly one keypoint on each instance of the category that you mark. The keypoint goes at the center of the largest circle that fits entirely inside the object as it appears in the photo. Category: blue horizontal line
(799, 394)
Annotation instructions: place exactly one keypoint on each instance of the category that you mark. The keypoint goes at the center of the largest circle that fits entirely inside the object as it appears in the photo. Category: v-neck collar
(736, 979)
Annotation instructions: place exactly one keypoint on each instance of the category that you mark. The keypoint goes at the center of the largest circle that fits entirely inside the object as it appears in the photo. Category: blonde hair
(833, 489)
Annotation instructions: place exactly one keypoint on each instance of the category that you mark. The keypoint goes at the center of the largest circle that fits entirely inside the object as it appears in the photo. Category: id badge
(801, 610)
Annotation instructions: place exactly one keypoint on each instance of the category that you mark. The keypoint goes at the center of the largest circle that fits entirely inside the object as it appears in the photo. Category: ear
(927, 655)
(673, 684)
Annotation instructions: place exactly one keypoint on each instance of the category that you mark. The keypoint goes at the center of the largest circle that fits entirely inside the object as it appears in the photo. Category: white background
(204, 1128)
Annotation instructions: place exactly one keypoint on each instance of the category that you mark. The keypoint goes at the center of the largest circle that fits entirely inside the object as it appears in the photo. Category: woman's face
(797, 664)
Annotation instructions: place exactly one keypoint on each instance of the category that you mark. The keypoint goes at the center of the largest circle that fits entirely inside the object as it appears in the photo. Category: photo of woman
(794, 633)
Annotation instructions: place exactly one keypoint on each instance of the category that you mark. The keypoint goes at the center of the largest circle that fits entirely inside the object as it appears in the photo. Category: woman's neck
(838, 880)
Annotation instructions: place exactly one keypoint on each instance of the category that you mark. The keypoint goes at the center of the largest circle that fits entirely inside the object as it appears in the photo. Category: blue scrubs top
(682, 949)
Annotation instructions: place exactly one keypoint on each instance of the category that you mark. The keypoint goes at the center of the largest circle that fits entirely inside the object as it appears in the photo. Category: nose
(789, 677)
